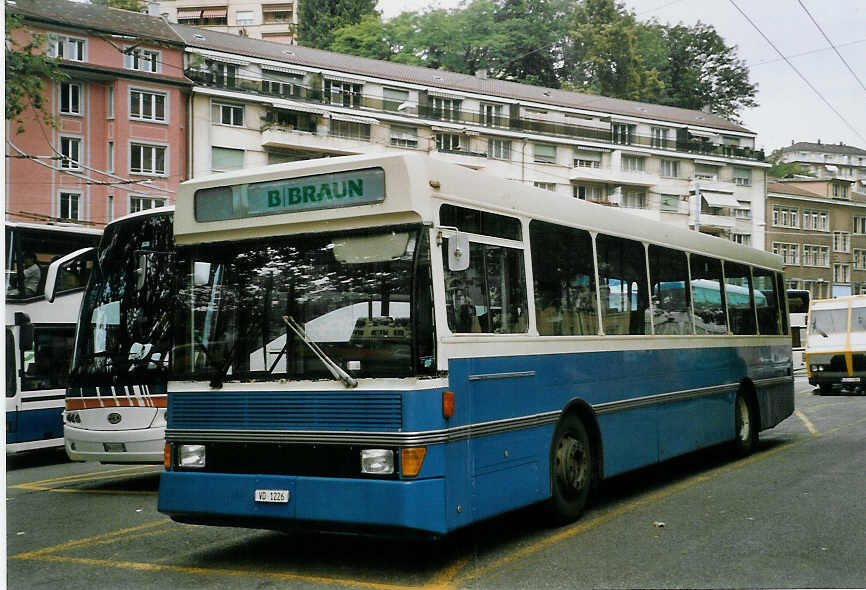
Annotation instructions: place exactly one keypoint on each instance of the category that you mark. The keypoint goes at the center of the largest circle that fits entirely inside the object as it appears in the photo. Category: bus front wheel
(571, 469)
(745, 425)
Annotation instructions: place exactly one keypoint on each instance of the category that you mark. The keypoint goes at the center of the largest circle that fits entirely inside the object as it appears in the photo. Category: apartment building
(273, 21)
(829, 160)
(119, 145)
(256, 103)
(818, 226)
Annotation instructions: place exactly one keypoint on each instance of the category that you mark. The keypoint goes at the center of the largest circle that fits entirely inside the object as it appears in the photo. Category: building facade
(119, 144)
(820, 232)
(829, 160)
(257, 103)
(271, 21)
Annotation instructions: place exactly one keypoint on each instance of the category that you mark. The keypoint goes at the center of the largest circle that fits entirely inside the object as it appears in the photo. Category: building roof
(317, 58)
(824, 148)
(93, 17)
(788, 189)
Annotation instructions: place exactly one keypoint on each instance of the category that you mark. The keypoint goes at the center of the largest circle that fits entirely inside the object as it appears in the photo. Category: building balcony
(274, 136)
(713, 221)
(586, 130)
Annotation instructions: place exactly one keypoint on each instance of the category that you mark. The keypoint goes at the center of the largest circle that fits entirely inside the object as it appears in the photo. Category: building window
(548, 186)
(840, 191)
(245, 17)
(670, 168)
(137, 204)
(659, 137)
(670, 203)
(70, 206)
(350, 130)
(623, 133)
(859, 259)
(109, 102)
(277, 13)
(587, 159)
(491, 115)
(499, 149)
(785, 217)
(69, 48)
(744, 211)
(344, 94)
(282, 84)
(742, 176)
(147, 159)
(590, 192)
(143, 60)
(224, 74)
(841, 241)
(743, 239)
(544, 153)
(109, 156)
(859, 224)
(788, 252)
(816, 255)
(146, 106)
(70, 147)
(841, 273)
(445, 109)
(228, 114)
(447, 142)
(633, 164)
(705, 172)
(634, 198)
(109, 209)
(816, 220)
(405, 137)
(226, 159)
(70, 98)
(393, 98)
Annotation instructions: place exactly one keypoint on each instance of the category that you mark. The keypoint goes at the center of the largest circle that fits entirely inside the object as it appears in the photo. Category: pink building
(120, 141)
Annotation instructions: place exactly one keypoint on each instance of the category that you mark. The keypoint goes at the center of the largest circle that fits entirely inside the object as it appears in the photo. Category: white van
(836, 342)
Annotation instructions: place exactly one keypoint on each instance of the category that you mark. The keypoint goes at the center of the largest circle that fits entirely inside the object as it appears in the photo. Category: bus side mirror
(58, 269)
(458, 252)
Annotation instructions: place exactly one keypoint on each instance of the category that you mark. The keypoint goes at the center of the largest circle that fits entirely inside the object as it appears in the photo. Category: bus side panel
(776, 402)
(41, 424)
(11, 426)
(629, 440)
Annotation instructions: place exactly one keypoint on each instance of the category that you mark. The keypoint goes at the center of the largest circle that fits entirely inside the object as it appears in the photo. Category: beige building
(818, 226)
(257, 103)
(829, 160)
(272, 21)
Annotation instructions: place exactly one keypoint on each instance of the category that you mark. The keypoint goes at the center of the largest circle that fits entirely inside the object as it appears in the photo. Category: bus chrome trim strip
(458, 433)
(502, 375)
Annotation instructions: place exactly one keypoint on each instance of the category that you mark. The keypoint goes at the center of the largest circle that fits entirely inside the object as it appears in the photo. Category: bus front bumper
(115, 446)
(324, 503)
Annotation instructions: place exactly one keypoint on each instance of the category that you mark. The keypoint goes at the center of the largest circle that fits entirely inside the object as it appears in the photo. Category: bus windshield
(828, 321)
(125, 327)
(362, 298)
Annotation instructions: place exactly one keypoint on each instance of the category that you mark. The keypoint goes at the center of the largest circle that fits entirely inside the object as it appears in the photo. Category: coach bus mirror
(458, 252)
(201, 273)
(60, 271)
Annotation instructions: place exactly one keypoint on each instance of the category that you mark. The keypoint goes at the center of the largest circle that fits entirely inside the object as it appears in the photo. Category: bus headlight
(377, 461)
(191, 456)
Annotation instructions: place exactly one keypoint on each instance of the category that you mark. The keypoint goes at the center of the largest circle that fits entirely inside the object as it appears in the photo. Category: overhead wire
(844, 61)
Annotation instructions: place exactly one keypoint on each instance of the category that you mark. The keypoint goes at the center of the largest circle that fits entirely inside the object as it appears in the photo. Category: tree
(133, 5)
(782, 169)
(28, 69)
(319, 20)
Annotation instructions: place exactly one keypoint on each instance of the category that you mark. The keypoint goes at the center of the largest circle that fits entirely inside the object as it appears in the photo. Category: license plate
(850, 379)
(114, 447)
(272, 496)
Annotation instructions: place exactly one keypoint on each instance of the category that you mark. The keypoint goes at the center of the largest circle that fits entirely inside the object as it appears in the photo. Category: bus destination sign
(291, 195)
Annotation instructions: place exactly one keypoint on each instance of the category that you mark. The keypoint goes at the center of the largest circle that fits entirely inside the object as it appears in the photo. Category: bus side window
(707, 295)
(565, 301)
(769, 315)
(11, 364)
(669, 275)
(622, 285)
(48, 364)
(740, 300)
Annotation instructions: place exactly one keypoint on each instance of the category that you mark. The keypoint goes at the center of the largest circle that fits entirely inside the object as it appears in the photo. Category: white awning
(297, 106)
(709, 163)
(283, 70)
(189, 14)
(715, 199)
(354, 119)
(214, 12)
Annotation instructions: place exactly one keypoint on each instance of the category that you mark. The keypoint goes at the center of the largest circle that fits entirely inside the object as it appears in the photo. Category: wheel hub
(571, 464)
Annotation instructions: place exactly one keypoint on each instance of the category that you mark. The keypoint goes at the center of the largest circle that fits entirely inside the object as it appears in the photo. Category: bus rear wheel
(571, 470)
(745, 425)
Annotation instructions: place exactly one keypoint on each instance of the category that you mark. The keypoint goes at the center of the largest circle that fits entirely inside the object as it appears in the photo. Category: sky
(789, 109)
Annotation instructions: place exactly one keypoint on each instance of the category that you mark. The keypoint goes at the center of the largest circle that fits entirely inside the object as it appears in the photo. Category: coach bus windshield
(363, 299)
(125, 327)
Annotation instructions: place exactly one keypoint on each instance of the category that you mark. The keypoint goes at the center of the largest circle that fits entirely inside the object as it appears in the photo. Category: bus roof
(839, 302)
(70, 228)
(415, 186)
(144, 213)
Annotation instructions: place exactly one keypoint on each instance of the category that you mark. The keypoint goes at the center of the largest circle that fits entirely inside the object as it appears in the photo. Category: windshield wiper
(336, 370)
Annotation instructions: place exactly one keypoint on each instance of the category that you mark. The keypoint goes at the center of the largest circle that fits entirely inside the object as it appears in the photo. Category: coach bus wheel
(571, 469)
(745, 425)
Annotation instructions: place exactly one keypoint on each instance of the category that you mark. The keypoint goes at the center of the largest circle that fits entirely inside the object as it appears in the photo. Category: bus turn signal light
(411, 460)
(166, 456)
(447, 404)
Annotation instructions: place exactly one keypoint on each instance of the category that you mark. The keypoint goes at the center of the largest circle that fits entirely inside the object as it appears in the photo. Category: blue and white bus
(40, 332)
(391, 342)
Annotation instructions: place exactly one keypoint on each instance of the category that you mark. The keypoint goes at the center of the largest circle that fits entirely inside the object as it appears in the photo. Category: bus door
(13, 399)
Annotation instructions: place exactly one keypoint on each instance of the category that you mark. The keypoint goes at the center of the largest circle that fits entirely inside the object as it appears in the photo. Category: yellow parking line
(808, 423)
(94, 475)
(88, 540)
(35, 488)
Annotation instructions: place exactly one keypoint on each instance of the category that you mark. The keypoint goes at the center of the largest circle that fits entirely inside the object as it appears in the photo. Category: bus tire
(825, 388)
(572, 470)
(745, 425)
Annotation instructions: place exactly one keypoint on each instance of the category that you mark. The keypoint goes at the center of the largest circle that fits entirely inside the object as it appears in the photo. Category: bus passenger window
(707, 296)
(622, 285)
(669, 275)
(738, 296)
(47, 365)
(767, 301)
(565, 301)
(490, 295)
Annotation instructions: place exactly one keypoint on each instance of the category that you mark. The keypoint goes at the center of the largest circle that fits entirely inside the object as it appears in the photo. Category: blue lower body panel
(216, 498)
